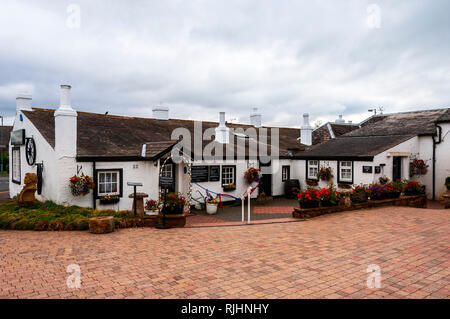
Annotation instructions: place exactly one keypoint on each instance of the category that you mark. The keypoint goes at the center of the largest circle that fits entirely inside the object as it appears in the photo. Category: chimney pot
(255, 118)
(161, 113)
(222, 131)
(306, 131)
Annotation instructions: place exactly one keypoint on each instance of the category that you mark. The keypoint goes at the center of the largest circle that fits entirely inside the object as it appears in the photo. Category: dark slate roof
(407, 123)
(363, 147)
(445, 117)
(102, 135)
(5, 135)
(322, 133)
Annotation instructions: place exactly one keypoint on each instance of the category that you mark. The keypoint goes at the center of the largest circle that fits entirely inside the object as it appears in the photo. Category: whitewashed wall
(44, 153)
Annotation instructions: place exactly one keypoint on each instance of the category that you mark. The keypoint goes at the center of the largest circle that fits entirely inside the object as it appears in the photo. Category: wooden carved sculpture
(26, 196)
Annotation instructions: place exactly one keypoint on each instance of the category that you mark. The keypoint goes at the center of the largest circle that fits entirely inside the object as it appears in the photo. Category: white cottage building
(114, 150)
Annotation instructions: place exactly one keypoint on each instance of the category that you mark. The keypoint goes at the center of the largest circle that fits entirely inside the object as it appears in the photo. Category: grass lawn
(50, 216)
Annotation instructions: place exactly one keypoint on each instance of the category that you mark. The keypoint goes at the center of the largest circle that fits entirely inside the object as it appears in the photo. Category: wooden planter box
(173, 220)
(418, 201)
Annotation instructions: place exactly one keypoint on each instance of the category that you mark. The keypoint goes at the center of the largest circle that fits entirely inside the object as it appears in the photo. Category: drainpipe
(94, 191)
(434, 158)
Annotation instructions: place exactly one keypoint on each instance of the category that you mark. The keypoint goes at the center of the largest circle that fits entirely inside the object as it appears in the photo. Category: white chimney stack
(255, 118)
(65, 126)
(340, 120)
(306, 131)
(222, 131)
(23, 102)
(161, 113)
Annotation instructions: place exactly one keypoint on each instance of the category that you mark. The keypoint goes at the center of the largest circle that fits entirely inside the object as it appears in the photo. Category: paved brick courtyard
(325, 257)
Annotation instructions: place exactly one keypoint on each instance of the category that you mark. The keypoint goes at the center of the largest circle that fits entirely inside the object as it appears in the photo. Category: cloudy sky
(201, 57)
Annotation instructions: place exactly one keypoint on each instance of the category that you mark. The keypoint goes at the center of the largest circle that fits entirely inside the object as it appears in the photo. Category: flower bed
(419, 201)
(312, 198)
(414, 188)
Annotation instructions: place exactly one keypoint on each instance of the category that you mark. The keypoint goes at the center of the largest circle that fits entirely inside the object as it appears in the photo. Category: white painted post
(249, 192)
(243, 203)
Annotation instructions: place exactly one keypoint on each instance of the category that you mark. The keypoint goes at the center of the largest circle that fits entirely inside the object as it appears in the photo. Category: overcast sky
(202, 57)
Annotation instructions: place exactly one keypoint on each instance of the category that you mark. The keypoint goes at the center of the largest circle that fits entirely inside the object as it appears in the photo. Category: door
(266, 181)
(396, 168)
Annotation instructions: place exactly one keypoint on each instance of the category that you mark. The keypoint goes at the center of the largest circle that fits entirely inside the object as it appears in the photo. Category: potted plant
(325, 174)
(360, 194)
(328, 196)
(252, 175)
(211, 205)
(394, 189)
(311, 182)
(109, 199)
(377, 191)
(229, 187)
(151, 205)
(417, 167)
(175, 203)
(308, 199)
(80, 185)
(447, 183)
(414, 188)
(383, 180)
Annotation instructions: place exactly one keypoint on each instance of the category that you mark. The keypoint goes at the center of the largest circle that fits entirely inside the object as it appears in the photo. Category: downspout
(94, 192)
(434, 159)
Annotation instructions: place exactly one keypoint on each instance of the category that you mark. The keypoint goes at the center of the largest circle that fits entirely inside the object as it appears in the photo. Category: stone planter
(211, 209)
(101, 225)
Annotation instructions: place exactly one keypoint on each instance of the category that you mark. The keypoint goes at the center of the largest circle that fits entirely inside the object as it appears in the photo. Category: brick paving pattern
(325, 257)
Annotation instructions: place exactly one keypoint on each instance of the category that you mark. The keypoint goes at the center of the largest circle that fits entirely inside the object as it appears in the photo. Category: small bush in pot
(151, 205)
(377, 192)
(414, 188)
(393, 189)
(175, 203)
(308, 198)
(329, 196)
(211, 205)
(360, 194)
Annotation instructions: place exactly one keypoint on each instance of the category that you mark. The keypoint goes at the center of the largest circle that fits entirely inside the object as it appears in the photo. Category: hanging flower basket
(417, 167)
(252, 175)
(325, 174)
(80, 185)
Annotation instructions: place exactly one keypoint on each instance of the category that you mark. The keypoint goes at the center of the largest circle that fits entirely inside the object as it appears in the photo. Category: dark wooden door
(266, 181)
(168, 174)
(396, 168)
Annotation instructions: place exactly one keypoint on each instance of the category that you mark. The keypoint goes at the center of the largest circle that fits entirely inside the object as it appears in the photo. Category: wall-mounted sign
(214, 173)
(165, 181)
(367, 169)
(18, 137)
(377, 169)
(199, 174)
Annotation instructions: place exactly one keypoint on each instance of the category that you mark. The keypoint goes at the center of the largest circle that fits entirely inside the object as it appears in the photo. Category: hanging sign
(165, 181)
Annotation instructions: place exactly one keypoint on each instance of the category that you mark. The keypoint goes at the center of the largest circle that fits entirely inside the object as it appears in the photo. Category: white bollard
(249, 192)
(243, 203)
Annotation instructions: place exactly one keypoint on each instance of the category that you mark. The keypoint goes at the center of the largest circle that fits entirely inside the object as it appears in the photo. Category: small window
(313, 169)
(285, 173)
(167, 171)
(109, 183)
(345, 171)
(228, 175)
(16, 165)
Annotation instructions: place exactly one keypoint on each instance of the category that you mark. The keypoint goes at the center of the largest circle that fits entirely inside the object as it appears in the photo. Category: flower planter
(172, 210)
(229, 189)
(312, 204)
(211, 209)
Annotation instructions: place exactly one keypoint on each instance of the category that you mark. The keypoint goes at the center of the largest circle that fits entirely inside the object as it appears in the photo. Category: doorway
(396, 168)
(266, 180)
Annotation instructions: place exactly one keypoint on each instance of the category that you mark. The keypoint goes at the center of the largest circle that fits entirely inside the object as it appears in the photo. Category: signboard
(165, 182)
(377, 169)
(367, 169)
(18, 137)
(199, 174)
(214, 173)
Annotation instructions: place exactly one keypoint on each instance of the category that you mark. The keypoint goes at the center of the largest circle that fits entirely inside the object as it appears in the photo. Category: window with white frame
(285, 173)
(345, 171)
(108, 182)
(16, 165)
(313, 169)
(167, 170)
(228, 175)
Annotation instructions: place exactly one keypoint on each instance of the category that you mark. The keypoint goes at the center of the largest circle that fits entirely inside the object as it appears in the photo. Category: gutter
(434, 158)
